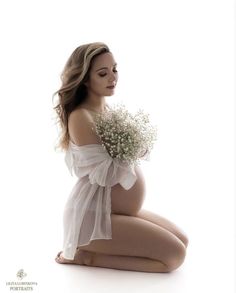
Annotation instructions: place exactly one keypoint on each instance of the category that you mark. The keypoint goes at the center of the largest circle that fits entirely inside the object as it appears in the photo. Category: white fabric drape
(87, 211)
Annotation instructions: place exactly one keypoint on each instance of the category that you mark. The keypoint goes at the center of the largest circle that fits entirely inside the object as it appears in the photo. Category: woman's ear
(86, 80)
(86, 83)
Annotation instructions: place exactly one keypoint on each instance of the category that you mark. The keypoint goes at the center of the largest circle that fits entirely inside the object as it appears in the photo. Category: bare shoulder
(80, 124)
(80, 114)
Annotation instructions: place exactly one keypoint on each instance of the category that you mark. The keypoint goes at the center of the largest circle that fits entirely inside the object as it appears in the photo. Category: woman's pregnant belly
(128, 202)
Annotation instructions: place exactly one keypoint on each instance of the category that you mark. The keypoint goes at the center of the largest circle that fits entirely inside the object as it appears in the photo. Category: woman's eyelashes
(104, 74)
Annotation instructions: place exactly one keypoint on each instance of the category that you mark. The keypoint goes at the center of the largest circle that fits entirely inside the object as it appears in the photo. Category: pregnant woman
(104, 223)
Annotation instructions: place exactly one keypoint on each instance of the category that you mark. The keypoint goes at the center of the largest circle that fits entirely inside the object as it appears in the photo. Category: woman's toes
(59, 258)
(82, 257)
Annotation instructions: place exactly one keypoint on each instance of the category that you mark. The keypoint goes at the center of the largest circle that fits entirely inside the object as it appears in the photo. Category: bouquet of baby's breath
(127, 137)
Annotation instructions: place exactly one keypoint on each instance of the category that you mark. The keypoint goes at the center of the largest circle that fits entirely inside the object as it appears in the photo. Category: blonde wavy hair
(73, 90)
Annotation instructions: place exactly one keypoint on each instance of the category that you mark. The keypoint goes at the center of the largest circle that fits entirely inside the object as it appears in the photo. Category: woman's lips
(111, 87)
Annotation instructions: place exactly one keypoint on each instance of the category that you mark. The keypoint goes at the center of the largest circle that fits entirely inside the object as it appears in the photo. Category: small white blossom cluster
(125, 136)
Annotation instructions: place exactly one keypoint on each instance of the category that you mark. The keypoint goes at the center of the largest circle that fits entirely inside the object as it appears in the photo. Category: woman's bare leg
(130, 263)
(164, 223)
(136, 244)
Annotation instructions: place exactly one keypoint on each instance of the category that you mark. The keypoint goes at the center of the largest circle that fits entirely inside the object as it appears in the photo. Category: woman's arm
(80, 124)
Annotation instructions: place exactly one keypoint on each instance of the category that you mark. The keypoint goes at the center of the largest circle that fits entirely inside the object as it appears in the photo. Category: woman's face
(103, 74)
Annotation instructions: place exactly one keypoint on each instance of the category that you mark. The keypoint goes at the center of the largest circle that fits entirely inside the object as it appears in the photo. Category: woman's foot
(60, 259)
(82, 257)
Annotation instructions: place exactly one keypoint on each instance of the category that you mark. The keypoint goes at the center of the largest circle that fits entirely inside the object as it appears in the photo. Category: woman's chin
(108, 95)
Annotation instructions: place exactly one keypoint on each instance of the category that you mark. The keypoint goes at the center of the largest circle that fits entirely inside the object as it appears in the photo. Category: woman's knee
(185, 240)
(175, 257)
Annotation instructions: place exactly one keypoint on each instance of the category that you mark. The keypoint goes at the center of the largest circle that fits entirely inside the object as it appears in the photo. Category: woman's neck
(95, 104)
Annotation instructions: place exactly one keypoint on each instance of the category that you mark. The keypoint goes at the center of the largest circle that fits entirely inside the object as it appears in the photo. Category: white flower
(125, 136)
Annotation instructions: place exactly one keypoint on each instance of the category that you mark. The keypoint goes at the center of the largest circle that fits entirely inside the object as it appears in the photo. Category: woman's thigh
(133, 236)
(164, 223)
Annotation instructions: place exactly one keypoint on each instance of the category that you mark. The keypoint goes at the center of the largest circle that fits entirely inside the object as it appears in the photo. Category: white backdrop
(175, 61)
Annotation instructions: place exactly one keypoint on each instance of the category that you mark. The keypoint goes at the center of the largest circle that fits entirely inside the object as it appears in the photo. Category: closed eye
(104, 74)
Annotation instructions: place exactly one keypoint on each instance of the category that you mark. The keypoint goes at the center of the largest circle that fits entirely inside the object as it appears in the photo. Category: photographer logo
(21, 285)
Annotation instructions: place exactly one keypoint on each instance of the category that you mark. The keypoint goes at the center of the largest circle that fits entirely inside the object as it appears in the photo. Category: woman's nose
(112, 77)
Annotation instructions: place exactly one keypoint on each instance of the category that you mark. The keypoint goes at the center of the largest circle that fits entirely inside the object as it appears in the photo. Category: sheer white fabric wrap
(88, 208)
